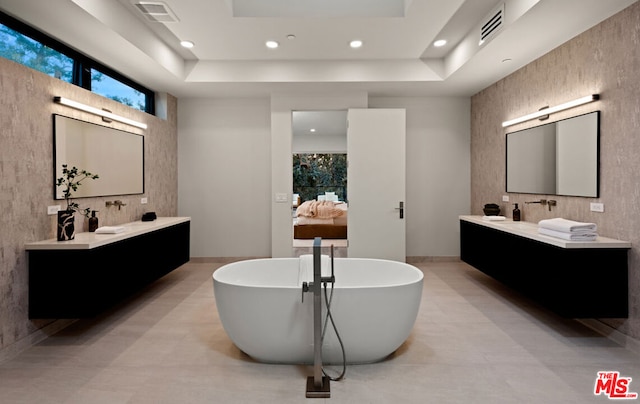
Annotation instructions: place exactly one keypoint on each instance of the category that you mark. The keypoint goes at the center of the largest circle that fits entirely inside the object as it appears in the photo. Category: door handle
(401, 209)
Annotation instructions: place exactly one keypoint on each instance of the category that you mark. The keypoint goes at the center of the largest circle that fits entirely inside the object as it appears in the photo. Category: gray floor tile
(475, 341)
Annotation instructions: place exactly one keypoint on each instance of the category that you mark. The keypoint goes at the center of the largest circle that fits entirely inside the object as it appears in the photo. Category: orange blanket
(319, 210)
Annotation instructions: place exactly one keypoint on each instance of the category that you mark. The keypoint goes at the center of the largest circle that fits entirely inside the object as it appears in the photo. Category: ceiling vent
(492, 24)
(156, 11)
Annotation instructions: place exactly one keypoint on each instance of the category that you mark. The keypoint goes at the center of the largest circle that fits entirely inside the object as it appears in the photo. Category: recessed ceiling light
(272, 44)
(291, 37)
(187, 44)
(439, 43)
(312, 130)
(356, 43)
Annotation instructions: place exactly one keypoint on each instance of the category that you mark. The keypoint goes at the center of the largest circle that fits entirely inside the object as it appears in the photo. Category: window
(27, 46)
(31, 53)
(109, 87)
(317, 173)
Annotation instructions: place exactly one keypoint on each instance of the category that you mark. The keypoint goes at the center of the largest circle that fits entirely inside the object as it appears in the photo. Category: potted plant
(71, 179)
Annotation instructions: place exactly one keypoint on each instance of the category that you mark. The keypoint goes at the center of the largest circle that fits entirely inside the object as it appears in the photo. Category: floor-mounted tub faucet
(318, 384)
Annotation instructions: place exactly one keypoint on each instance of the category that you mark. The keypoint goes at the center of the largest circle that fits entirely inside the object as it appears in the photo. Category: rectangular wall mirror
(558, 158)
(116, 156)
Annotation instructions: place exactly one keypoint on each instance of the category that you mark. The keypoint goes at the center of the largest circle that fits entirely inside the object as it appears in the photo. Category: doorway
(376, 192)
(319, 146)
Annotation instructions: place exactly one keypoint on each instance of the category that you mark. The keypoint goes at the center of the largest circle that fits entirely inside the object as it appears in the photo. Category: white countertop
(86, 241)
(530, 230)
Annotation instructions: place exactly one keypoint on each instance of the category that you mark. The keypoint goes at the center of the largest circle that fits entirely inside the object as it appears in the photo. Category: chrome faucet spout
(551, 203)
(541, 202)
(117, 203)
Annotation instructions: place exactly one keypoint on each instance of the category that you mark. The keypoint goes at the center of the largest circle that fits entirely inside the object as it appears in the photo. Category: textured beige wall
(603, 60)
(26, 180)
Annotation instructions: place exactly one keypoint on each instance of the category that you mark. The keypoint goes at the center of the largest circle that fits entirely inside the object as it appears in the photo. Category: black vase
(66, 225)
(491, 209)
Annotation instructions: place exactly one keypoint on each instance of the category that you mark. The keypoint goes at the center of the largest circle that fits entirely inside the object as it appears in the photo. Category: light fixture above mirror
(552, 110)
(96, 111)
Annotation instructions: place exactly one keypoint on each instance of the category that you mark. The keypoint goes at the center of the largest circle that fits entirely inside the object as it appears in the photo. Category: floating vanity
(577, 279)
(82, 277)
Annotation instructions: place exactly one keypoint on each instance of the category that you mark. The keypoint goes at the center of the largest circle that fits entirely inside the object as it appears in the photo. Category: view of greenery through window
(33, 54)
(116, 90)
(38, 56)
(316, 173)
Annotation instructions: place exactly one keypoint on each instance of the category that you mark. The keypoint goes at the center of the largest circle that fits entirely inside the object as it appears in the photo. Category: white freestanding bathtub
(374, 306)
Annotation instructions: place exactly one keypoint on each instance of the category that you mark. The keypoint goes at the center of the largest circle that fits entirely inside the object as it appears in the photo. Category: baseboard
(32, 339)
(423, 259)
(410, 259)
(616, 336)
(223, 260)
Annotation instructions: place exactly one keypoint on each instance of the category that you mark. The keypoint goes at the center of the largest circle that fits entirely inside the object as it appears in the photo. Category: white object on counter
(567, 226)
(494, 218)
(110, 229)
(568, 236)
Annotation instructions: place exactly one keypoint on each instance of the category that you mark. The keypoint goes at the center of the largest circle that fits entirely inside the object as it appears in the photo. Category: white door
(376, 186)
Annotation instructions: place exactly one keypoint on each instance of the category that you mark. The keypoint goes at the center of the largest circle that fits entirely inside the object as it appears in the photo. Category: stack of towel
(568, 229)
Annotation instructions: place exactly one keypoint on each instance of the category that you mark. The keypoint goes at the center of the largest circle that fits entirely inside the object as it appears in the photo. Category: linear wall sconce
(99, 112)
(552, 110)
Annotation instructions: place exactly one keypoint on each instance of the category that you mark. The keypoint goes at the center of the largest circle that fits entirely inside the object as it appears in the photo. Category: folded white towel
(494, 218)
(567, 226)
(591, 236)
(305, 273)
(109, 229)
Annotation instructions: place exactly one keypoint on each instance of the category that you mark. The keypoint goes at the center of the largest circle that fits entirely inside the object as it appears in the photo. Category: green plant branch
(71, 179)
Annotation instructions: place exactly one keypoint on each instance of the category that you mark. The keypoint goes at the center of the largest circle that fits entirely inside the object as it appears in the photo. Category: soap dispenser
(93, 221)
(516, 214)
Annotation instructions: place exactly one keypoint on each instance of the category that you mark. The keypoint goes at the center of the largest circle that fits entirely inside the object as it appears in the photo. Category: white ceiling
(398, 59)
(319, 123)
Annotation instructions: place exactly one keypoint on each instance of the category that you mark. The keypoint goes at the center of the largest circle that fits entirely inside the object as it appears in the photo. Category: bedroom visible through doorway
(319, 168)
(320, 196)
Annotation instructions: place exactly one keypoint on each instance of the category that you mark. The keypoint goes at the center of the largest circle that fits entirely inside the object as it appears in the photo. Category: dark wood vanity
(575, 279)
(82, 277)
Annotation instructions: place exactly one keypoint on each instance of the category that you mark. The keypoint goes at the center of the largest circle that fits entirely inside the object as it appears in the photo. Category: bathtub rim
(229, 266)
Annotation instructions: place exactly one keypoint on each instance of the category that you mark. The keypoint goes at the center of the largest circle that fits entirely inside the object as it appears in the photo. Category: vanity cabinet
(573, 279)
(82, 277)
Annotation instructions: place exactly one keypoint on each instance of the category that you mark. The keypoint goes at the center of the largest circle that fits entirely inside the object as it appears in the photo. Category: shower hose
(324, 330)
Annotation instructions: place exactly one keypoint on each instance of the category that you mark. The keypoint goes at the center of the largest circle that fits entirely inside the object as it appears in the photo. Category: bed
(326, 219)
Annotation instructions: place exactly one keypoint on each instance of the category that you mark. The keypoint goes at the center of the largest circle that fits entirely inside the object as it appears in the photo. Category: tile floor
(474, 342)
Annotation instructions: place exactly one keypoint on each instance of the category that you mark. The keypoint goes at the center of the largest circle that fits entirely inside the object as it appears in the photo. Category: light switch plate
(505, 198)
(143, 200)
(597, 207)
(281, 197)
